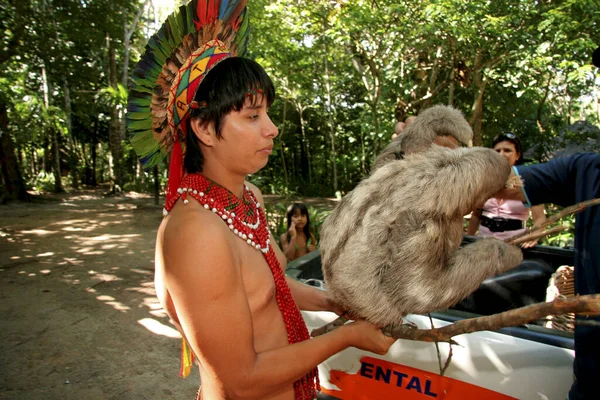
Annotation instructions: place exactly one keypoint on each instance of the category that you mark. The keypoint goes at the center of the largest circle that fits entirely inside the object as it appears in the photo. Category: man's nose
(270, 130)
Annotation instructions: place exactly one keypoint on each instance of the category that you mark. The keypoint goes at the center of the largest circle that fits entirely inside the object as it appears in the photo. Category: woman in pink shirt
(499, 218)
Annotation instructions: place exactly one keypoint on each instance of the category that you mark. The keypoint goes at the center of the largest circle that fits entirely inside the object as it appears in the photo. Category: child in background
(298, 240)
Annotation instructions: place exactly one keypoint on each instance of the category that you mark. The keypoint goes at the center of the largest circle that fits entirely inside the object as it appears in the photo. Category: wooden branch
(536, 235)
(574, 209)
(336, 323)
(518, 316)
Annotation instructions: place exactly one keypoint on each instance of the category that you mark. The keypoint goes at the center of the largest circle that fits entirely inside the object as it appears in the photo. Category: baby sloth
(391, 246)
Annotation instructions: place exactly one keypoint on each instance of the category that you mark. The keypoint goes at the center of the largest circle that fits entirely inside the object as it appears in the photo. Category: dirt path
(80, 319)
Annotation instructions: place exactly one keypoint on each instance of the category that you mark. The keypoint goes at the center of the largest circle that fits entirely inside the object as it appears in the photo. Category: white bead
(186, 201)
(206, 206)
(165, 212)
(195, 191)
(250, 236)
(249, 241)
(231, 227)
(201, 194)
(257, 247)
(232, 214)
(229, 221)
(257, 205)
(180, 190)
(245, 237)
(214, 210)
(224, 216)
(235, 231)
(252, 243)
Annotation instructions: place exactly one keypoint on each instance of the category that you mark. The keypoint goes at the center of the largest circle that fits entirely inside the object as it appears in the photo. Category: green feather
(142, 124)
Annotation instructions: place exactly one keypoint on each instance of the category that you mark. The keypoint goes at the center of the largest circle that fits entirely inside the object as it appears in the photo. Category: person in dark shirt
(567, 181)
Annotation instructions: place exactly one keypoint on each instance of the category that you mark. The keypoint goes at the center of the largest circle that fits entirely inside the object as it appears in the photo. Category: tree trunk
(156, 184)
(58, 187)
(74, 166)
(14, 187)
(115, 134)
(281, 147)
(331, 118)
(541, 128)
(477, 109)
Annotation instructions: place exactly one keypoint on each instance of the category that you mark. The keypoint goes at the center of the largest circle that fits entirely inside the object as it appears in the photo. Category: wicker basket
(562, 284)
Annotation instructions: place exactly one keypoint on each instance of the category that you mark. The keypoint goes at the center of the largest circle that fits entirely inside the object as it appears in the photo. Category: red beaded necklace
(246, 219)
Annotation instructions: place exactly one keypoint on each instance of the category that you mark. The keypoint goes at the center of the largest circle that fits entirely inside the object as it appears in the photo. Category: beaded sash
(246, 219)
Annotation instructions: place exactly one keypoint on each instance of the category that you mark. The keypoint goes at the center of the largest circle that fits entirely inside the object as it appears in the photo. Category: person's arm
(474, 222)
(289, 248)
(313, 244)
(513, 193)
(205, 283)
(539, 217)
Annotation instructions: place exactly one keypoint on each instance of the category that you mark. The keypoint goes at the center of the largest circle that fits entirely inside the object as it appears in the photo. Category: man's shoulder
(191, 223)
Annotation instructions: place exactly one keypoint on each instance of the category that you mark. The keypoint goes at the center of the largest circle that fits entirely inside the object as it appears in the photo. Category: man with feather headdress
(219, 273)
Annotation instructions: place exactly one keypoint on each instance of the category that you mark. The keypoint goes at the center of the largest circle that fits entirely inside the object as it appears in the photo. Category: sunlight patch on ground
(141, 271)
(47, 254)
(38, 232)
(145, 290)
(105, 277)
(118, 306)
(159, 328)
(76, 221)
(45, 271)
(152, 303)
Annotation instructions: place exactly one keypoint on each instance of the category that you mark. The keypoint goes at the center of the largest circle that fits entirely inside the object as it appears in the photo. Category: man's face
(246, 139)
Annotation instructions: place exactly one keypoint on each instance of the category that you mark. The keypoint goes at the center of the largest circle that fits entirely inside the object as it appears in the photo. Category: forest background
(345, 72)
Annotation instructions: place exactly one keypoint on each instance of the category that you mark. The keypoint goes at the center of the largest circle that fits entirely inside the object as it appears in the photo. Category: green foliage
(43, 182)
(565, 238)
(344, 72)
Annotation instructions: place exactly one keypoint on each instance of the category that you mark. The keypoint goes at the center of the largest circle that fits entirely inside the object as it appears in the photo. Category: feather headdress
(191, 41)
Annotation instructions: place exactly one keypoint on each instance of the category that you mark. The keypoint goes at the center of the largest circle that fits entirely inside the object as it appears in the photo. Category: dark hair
(512, 138)
(224, 89)
(303, 211)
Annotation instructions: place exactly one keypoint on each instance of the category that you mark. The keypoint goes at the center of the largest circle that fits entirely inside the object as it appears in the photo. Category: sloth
(392, 245)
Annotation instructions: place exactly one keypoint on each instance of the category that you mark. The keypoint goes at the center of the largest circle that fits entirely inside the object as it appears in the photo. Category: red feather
(207, 11)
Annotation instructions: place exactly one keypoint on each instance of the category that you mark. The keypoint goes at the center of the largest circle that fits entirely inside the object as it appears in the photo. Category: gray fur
(391, 246)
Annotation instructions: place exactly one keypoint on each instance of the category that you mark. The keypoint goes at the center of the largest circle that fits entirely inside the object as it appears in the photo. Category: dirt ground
(79, 316)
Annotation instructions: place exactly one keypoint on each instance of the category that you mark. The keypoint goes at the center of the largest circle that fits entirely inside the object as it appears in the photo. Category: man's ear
(204, 132)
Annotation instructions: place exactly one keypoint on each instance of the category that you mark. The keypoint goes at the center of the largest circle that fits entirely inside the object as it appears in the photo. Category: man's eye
(253, 116)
